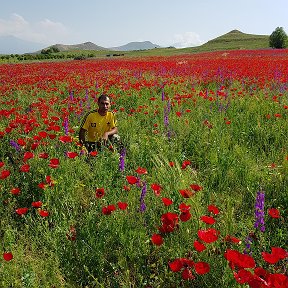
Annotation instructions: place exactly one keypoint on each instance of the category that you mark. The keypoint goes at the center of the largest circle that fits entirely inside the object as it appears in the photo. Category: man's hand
(105, 136)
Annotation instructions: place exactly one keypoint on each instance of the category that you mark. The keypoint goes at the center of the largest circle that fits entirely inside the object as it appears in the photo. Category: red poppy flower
(186, 193)
(27, 155)
(209, 235)
(185, 216)
(157, 239)
(108, 209)
(156, 188)
(169, 222)
(187, 274)
(21, 142)
(122, 205)
(167, 201)
(36, 204)
(184, 208)
(132, 179)
(171, 164)
(100, 192)
(196, 187)
(43, 213)
(213, 209)
(93, 153)
(243, 276)
(185, 163)
(41, 185)
(274, 213)
(232, 239)
(7, 256)
(34, 146)
(199, 247)
(65, 139)
(25, 168)
(49, 180)
(279, 252)
(260, 272)
(4, 174)
(207, 124)
(276, 255)
(126, 188)
(141, 170)
(1, 164)
(43, 155)
(54, 163)
(43, 134)
(176, 265)
(208, 219)
(21, 211)
(15, 191)
(277, 280)
(71, 154)
(238, 259)
(201, 268)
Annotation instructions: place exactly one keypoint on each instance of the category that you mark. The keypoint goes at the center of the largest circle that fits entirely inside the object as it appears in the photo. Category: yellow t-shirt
(96, 125)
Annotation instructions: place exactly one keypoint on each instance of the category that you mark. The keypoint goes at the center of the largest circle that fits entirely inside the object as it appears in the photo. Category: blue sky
(182, 23)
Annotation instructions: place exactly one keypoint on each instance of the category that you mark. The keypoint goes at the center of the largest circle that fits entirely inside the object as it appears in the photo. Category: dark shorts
(97, 146)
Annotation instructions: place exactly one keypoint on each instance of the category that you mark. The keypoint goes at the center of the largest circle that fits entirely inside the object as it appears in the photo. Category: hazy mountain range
(14, 45)
(234, 39)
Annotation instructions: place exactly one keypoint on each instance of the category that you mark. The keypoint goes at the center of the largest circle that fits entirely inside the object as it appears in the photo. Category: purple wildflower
(259, 211)
(248, 242)
(166, 119)
(66, 126)
(163, 95)
(15, 145)
(86, 95)
(122, 160)
(71, 95)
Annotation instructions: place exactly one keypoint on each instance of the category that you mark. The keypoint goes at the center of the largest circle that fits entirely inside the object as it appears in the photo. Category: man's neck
(102, 113)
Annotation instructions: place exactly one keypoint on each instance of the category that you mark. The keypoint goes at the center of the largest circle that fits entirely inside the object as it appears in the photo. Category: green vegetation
(278, 39)
(204, 138)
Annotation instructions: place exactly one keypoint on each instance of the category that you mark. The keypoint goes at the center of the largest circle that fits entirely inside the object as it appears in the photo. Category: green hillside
(232, 40)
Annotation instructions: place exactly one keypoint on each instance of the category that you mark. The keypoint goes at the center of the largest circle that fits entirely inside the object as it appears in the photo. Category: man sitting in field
(100, 126)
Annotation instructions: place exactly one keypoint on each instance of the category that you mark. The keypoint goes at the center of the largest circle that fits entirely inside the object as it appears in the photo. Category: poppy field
(197, 197)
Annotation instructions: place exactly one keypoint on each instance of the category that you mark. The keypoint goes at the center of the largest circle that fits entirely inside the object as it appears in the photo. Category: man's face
(104, 105)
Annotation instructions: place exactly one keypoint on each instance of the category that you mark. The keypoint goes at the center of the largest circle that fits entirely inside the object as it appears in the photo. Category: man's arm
(109, 133)
(82, 133)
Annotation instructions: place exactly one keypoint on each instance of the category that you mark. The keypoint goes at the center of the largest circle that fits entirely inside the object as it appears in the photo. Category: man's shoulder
(91, 112)
(111, 113)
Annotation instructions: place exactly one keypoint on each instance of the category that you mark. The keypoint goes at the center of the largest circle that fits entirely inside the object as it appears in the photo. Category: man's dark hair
(103, 96)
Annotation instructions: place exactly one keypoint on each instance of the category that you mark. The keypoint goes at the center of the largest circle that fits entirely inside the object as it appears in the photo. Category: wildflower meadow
(198, 196)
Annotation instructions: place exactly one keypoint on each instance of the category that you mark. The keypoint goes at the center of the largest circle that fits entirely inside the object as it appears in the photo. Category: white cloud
(45, 31)
(187, 39)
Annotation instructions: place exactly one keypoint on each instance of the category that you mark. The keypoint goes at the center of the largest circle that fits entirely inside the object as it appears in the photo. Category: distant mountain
(83, 46)
(13, 45)
(144, 45)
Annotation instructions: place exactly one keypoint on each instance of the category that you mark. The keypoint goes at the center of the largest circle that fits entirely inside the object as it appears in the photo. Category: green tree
(278, 38)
